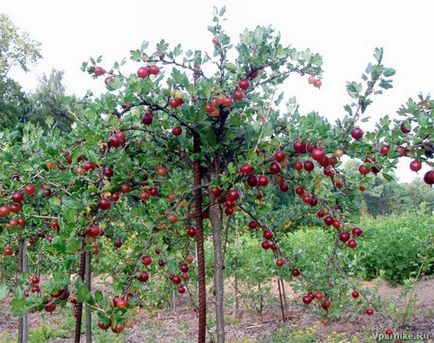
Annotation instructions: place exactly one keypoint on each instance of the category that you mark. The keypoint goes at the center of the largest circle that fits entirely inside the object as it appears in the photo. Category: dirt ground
(168, 326)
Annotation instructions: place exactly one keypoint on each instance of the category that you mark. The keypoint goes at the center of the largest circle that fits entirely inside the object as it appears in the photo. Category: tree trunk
(285, 302)
(23, 324)
(236, 310)
(79, 306)
(173, 300)
(200, 254)
(282, 308)
(215, 217)
(88, 278)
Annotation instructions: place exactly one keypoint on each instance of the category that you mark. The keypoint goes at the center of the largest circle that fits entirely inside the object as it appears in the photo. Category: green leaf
(18, 307)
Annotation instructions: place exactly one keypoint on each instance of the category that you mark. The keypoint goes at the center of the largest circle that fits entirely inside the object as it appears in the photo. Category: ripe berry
(384, 150)
(253, 224)
(268, 234)
(216, 191)
(104, 203)
(17, 197)
(318, 154)
(98, 71)
(233, 194)
(275, 168)
(143, 72)
(326, 304)
(265, 245)
(404, 128)
(238, 94)
(50, 307)
(125, 188)
(429, 177)
(29, 189)
(344, 236)
(415, 165)
(153, 70)
(143, 277)
(280, 262)
(295, 272)
(191, 231)
(357, 133)
(352, 243)
(307, 299)
(355, 294)
(244, 84)
(181, 289)
(284, 187)
(329, 220)
(356, 232)
(8, 251)
(252, 180)
(369, 311)
(279, 156)
(298, 165)
(363, 170)
(4, 211)
(147, 118)
(308, 166)
(263, 181)
(299, 147)
(146, 260)
(177, 131)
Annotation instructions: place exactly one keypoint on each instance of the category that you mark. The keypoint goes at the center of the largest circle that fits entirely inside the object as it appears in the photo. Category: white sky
(344, 32)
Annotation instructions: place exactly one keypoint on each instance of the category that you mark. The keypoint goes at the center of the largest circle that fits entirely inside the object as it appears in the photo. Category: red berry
(98, 71)
(125, 188)
(143, 277)
(275, 168)
(253, 224)
(384, 150)
(265, 245)
(268, 234)
(115, 196)
(216, 191)
(5, 211)
(154, 70)
(263, 181)
(299, 147)
(429, 177)
(355, 294)
(280, 262)
(116, 141)
(295, 272)
(147, 118)
(352, 243)
(233, 194)
(17, 197)
(29, 189)
(344, 236)
(252, 180)
(55, 225)
(143, 72)
(307, 299)
(369, 311)
(363, 170)
(238, 94)
(181, 289)
(326, 304)
(357, 133)
(404, 128)
(50, 307)
(8, 251)
(298, 165)
(177, 130)
(318, 154)
(299, 191)
(308, 166)
(104, 203)
(93, 231)
(244, 84)
(356, 232)
(329, 220)
(279, 156)
(146, 260)
(415, 165)
(191, 231)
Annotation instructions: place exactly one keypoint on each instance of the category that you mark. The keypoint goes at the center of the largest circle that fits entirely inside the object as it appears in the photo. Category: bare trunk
(215, 217)
(236, 310)
(261, 300)
(173, 300)
(285, 303)
(89, 287)
(23, 324)
(282, 309)
(200, 253)
(79, 306)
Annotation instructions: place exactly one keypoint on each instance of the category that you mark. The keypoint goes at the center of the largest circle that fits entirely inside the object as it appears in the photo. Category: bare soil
(166, 326)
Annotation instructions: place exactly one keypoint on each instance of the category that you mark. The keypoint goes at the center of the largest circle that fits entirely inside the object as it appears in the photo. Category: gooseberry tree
(170, 153)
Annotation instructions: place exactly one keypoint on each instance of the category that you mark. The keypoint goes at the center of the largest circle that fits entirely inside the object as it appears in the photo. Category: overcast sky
(344, 32)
